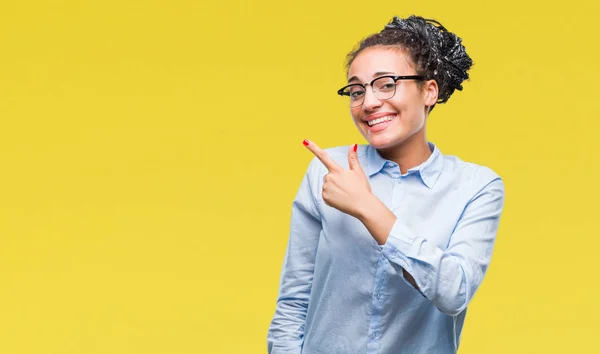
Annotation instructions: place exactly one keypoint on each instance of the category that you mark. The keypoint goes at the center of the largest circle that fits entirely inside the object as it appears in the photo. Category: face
(391, 123)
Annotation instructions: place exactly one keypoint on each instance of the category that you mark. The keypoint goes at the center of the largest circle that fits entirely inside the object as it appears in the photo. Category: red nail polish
(355, 147)
(305, 142)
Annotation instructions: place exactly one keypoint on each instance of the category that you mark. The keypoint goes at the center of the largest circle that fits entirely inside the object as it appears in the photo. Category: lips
(373, 116)
(379, 121)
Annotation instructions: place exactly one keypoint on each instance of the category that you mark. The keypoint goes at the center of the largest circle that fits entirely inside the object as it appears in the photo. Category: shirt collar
(429, 171)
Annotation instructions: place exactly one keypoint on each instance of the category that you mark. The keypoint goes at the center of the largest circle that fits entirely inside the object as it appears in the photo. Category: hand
(346, 190)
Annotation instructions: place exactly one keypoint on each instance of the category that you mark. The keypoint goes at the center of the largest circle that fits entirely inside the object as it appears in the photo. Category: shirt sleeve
(449, 278)
(286, 332)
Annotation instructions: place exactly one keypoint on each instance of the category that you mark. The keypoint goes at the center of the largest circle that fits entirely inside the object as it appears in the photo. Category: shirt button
(398, 181)
(378, 296)
(373, 336)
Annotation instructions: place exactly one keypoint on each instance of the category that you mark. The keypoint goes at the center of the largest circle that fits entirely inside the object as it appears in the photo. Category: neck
(409, 154)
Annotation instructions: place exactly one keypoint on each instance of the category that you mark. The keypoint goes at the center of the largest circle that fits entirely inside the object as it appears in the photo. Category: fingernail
(355, 147)
(305, 142)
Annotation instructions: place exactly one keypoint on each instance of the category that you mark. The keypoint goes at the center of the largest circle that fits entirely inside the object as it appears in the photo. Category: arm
(286, 332)
(448, 278)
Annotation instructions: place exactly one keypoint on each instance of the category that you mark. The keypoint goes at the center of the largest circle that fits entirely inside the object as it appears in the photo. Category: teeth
(379, 120)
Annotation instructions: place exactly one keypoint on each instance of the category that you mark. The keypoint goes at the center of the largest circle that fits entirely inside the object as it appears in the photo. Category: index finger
(322, 155)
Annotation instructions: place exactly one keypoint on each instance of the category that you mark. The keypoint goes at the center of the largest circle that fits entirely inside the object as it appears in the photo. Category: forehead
(379, 59)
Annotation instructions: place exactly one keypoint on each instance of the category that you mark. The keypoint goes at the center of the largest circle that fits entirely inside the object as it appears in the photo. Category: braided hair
(436, 53)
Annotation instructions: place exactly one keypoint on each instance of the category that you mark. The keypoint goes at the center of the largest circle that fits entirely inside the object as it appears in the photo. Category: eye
(356, 92)
(387, 86)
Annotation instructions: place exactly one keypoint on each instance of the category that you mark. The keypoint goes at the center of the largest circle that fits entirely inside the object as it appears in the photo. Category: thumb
(353, 162)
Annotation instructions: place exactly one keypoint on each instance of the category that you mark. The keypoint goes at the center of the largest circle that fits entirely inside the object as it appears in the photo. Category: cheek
(355, 114)
(415, 122)
(409, 98)
(411, 106)
(412, 117)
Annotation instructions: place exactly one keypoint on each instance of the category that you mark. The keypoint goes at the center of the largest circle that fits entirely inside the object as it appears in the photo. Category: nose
(370, 101)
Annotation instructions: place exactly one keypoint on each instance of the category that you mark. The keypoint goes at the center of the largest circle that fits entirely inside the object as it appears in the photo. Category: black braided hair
(437, 53)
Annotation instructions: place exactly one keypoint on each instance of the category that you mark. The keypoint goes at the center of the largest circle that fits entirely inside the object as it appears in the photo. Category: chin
(396, 137)
(380, 144)
(382, 141)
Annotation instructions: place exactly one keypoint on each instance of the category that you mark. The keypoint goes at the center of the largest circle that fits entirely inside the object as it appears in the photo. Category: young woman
(389, 241)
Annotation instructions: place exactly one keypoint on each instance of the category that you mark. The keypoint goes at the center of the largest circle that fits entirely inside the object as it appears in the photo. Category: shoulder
(471, 175)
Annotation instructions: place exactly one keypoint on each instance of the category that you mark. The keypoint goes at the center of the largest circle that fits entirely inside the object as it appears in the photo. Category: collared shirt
(343, 293)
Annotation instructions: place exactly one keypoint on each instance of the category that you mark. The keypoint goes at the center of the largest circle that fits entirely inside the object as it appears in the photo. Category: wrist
(368, 207)
(377, 218)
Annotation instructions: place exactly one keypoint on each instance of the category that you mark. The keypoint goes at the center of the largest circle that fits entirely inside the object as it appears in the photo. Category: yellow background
(150, 151)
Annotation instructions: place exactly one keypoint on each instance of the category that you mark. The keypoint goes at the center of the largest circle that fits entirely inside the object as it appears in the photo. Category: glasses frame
(396, 78)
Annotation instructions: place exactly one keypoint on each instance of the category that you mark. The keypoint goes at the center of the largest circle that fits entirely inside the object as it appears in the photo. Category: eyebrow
(379, 73)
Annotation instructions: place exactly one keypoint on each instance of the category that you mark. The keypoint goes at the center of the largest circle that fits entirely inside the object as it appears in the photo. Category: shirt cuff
(399, 249)
(400, 242)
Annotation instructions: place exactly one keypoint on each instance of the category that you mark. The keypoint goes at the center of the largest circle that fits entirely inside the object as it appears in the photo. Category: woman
(389, 241)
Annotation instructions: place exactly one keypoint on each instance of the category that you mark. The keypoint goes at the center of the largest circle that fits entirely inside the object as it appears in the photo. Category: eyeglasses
(383, 87)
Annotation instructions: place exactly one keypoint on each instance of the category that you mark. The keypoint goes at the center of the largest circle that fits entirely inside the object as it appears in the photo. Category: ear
(430, 92)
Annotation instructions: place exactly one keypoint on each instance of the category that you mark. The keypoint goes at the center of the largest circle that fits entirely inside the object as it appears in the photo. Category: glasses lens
(354, 95)
(384, 88)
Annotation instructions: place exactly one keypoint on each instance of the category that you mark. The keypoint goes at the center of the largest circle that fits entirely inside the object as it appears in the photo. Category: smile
(380, 120)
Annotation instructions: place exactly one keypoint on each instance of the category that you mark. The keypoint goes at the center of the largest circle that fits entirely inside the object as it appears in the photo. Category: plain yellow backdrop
(150, 152)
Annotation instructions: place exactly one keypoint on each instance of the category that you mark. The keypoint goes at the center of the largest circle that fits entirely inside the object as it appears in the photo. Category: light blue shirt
(342, 293)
